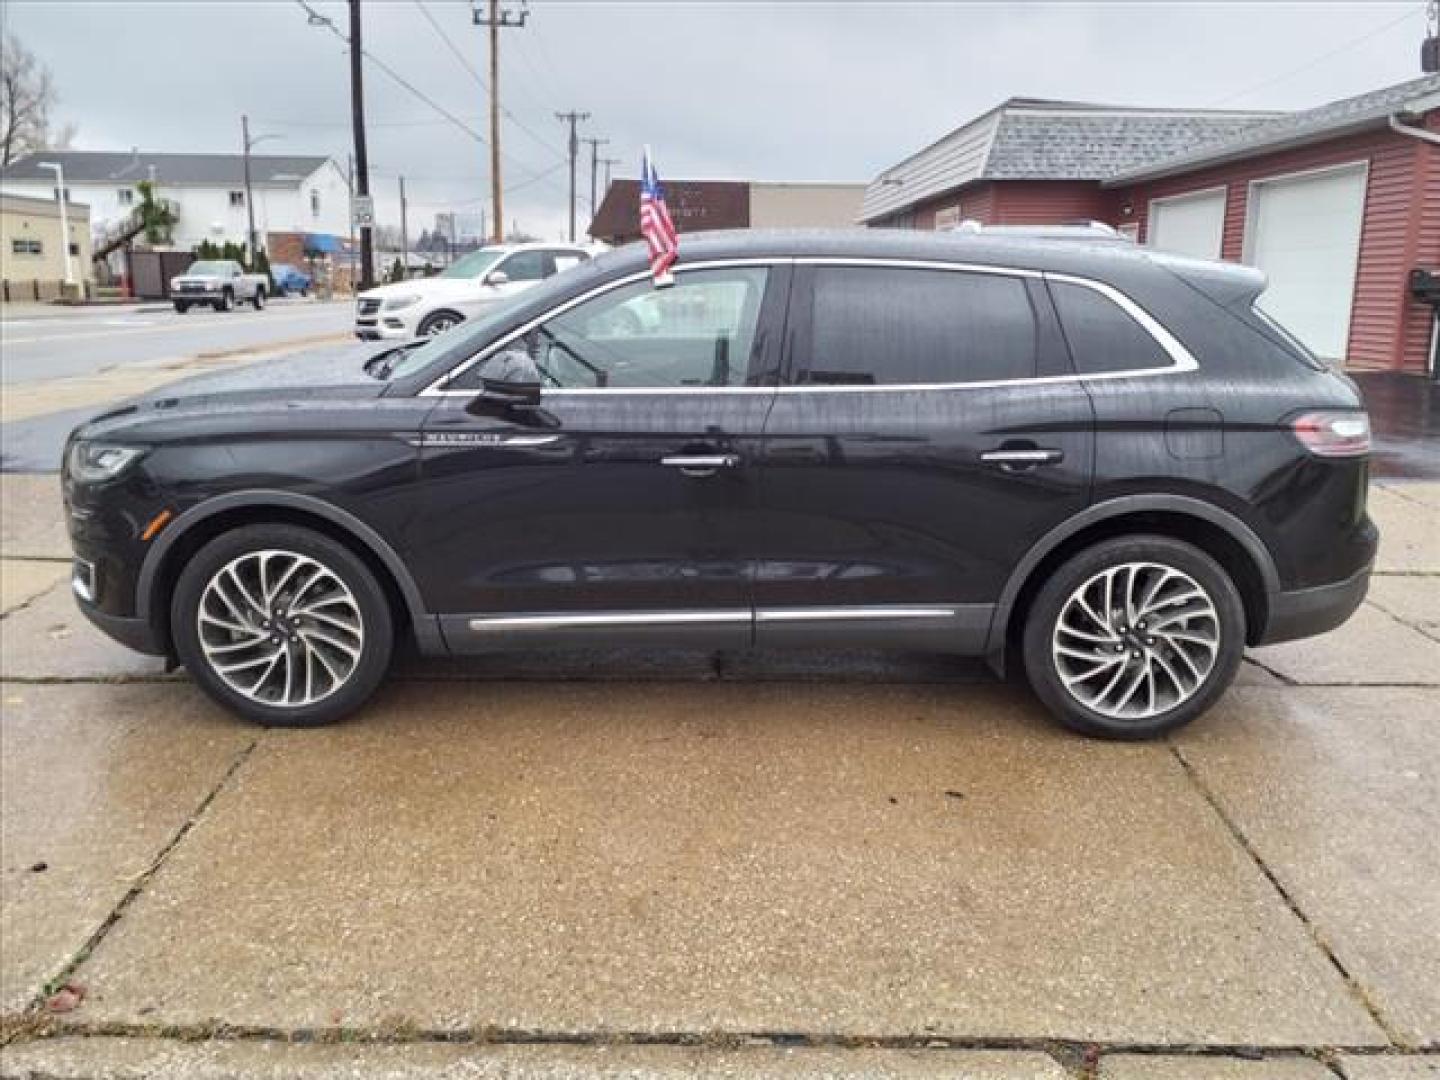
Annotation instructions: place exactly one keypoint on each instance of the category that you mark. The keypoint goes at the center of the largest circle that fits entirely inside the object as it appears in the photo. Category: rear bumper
(1304, 613)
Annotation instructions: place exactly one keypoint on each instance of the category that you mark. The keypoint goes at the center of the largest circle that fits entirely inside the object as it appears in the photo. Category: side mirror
(497, 277)
(511, 379)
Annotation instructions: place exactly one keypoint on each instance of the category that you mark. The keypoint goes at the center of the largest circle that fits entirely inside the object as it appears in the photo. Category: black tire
(1040, 638)
(259, 300)
(377, 639)
(181, 306)
(437, 322)
(226, 301)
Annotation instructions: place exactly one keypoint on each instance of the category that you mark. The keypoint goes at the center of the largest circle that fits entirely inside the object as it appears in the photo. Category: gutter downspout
(1413, 132)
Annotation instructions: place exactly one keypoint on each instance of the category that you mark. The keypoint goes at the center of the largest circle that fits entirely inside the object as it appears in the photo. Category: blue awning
(323, 244)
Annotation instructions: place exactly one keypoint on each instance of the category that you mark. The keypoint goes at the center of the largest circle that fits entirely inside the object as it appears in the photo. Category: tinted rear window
(1102, 337)
(886, 326)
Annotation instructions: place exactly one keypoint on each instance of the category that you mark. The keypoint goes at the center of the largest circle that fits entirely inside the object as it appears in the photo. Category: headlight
(395, 303)
(91, 463)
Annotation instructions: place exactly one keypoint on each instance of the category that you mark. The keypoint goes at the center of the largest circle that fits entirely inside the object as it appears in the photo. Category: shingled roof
(103, 167)
(1327, 121)
(1035, 139)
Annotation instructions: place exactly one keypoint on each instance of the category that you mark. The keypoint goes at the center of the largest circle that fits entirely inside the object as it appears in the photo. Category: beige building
(32, 254)
(804, 206)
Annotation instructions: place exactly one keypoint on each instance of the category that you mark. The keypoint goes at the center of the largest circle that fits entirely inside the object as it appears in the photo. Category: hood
(435, 288)
(266, 386)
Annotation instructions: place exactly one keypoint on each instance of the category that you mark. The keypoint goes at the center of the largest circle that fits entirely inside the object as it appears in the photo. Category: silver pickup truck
(221, 283)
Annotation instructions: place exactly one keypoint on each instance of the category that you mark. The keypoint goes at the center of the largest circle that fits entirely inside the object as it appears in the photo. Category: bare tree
(27, 95)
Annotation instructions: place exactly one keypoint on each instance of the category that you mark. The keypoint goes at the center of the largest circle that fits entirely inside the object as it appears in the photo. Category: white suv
(422, 307)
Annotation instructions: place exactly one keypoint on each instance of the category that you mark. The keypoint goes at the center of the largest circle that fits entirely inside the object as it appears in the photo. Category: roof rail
(1067, 230)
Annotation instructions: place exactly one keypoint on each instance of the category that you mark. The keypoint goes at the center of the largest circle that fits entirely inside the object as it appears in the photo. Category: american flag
(656, 226)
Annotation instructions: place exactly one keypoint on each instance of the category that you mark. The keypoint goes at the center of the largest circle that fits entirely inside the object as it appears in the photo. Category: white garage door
(1189, 224)
(1304, 232)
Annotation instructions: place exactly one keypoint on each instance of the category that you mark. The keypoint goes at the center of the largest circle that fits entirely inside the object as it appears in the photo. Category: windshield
(417, 356)
(209, 269)
(475, 264)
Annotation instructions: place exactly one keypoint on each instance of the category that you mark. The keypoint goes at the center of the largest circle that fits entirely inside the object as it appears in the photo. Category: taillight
(1333, 434)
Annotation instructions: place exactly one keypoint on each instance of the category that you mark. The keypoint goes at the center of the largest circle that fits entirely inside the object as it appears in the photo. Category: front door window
(698, 332)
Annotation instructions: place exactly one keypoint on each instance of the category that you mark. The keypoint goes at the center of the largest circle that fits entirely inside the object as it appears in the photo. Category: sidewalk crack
(1351, 983)
(138, 885)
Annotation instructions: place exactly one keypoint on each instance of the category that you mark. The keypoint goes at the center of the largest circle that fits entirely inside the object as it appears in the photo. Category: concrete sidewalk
(848, 865)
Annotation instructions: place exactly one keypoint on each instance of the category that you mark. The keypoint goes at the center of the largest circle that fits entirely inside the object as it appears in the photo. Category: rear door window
(1103, 338)
(888, 326)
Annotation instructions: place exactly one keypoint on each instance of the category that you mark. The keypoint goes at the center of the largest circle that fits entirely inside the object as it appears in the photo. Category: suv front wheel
(283, 625)
(1134, 637)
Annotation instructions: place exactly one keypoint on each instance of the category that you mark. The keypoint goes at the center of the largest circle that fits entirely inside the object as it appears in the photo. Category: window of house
(1102, 337)
(125, 196)
(26, 246)
(879, 326)
(314, 202)
(237, 198)
(698, 332)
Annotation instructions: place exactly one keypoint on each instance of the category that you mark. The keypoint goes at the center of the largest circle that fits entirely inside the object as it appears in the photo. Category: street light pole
(59, 171)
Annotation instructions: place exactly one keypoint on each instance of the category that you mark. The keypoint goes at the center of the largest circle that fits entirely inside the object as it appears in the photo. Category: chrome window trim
(1182, 360)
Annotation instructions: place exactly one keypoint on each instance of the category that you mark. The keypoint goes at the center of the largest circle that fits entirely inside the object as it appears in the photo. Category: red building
(1339, 204)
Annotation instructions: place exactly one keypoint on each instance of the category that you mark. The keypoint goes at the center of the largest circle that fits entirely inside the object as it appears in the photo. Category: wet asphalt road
(48, 345)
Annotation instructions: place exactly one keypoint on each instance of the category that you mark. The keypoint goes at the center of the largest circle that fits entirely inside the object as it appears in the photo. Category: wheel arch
(203, 522)
(1220, 534)
(442, 310)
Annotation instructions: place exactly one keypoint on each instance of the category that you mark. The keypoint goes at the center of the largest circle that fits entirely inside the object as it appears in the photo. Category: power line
(1312, 63)
(479, 81)
(316, 19)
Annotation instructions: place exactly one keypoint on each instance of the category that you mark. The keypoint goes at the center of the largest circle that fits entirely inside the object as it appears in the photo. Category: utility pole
(404, 236)
(249, 191)
(595, 145)
(249, 144)
(362, 160)
(497, 20)
(572, 118)
(607, 162)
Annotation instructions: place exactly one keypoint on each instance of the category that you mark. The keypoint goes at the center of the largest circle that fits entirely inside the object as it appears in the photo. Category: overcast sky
(771, 91)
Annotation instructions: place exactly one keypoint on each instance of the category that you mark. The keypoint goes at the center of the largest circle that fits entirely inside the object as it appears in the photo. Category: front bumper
(133, 633)
(1302, 613)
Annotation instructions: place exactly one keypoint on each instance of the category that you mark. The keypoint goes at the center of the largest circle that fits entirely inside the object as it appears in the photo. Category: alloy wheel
(1136, 640)
(280, 628)
(440, 325)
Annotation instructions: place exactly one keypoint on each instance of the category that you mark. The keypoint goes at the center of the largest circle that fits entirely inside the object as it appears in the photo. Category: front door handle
(700, 464)
(1019, 460)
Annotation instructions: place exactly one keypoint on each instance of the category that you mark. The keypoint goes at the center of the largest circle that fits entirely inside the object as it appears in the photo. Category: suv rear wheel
(282, 625)
(1134, 637)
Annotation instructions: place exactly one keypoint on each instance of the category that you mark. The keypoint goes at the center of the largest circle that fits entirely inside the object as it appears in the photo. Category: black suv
(1096, 463)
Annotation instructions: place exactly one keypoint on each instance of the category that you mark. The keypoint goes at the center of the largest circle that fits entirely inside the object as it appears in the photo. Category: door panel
(894, 497)
(616, 509)
(582, 514)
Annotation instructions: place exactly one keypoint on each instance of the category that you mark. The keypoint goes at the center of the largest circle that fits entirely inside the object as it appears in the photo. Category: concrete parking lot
(690, 864)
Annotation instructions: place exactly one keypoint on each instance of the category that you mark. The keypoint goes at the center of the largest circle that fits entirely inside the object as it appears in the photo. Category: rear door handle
(700, 464)
(1019, 460)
